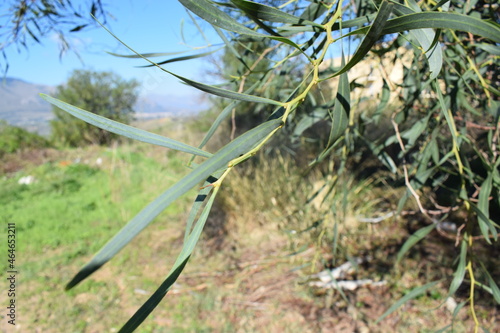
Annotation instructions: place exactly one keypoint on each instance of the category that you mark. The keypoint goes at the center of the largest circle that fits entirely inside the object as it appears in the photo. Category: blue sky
(147, 26)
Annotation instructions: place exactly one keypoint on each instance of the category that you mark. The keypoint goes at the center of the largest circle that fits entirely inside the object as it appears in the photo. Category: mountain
(20, 105)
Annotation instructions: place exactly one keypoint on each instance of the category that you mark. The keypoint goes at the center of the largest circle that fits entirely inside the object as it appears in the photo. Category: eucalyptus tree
(446, 124)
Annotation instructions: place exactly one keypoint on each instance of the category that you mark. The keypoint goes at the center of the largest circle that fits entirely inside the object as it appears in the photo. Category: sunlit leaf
(426, 39)
(184, 58)
(270, 14)
(216, 17)
(436, 20)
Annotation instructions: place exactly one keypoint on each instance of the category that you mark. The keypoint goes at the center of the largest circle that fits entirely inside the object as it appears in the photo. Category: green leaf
(184, 58)
(339, 114)
(373, 34)
(198, 201)
(230, 47)
(148, 55)
(124, 130)
(413, 133)
(438, 20)
(223, 115)
(460, 272)
(174, 273)
(341, 108)
(484, 205)
(201, 86)
(495, 291)
(384, 100)
(226, 93)
(447, 114)
(215, 16)
(315, 10)
(271, 14)
(235, 148)
(411, 295)
(425, 37)
(308, 120)
(414, 239)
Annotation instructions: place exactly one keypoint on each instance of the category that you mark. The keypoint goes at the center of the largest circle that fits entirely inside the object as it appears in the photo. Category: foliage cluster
(444, 137)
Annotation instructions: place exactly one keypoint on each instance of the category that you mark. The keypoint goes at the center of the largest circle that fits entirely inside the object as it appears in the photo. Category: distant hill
(20, 105)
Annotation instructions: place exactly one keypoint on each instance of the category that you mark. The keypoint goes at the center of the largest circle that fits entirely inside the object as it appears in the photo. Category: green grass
(253, 280)
(69, 203)
(72, 209)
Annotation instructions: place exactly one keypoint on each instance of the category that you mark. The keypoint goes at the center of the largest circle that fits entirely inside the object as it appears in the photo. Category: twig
(405, 169)
(242, 86)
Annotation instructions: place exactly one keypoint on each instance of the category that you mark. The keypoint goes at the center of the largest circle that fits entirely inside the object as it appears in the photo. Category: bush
(102, 93)
(13, 139)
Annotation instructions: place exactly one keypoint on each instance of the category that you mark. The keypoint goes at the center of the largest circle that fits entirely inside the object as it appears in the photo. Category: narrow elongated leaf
(384, 100)
(373, 34)
(414, 239)
(223, 115)
(148, 55)
(315, 10)
(174, 273)
(447, 114)
(339, 114)
(124, 130)
(217, 17)
(308, 120)
(230, 46)
(201, 86)
(438, 20)
(153, 301)
(271, 14)
(495, 291)
(484, 205)
(413, 133)
(184, 58)
(226, 93)
(239, 146)
(460, 272)
(341, 108)
(411, 295)
(198, 201)
(425, 37)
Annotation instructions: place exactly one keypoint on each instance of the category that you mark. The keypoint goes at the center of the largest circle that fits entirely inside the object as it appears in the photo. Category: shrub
(103, 93)
(13, 139)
